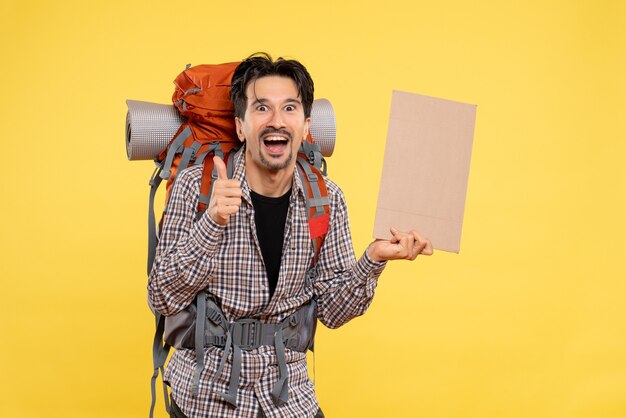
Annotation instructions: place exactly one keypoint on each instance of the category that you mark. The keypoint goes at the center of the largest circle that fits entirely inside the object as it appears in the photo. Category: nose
(276, 120)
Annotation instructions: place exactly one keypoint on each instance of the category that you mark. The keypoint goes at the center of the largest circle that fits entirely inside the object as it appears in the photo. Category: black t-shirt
(270, 215)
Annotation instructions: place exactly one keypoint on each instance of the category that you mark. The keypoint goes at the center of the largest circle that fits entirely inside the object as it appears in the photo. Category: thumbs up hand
(226, 195)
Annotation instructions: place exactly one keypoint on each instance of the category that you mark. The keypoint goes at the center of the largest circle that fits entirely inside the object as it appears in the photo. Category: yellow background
(528, 321)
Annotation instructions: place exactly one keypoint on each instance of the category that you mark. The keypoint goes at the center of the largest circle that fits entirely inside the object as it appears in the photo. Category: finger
(220, 167)
(406, 246)
(413, 246)
(229, 210)
(230, 188)
(417, 250)
(407, 241)
(395, 238)
(229, 201)
(427, 248)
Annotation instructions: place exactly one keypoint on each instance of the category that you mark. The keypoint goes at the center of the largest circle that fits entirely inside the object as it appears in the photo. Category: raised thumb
(220, 167)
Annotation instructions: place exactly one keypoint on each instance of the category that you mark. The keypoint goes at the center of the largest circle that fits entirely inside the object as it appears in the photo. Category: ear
(307, 124)
(239, 127)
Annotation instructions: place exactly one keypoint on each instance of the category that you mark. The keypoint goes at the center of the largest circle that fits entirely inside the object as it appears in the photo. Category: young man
(251, 252)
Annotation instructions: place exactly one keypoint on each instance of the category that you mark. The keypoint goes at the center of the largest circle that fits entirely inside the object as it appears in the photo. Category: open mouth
(275, 144)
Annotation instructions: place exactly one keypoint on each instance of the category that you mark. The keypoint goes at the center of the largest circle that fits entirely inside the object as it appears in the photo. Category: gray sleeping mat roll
(151, 126)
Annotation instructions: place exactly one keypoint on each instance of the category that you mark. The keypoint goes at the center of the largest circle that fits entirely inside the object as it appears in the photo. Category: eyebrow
(263, 101)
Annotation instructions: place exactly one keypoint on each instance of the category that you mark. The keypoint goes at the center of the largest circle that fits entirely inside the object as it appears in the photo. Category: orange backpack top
(202, 96)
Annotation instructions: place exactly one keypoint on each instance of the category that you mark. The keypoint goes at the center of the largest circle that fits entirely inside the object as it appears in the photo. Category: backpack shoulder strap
(175, 146)
(155, 181)
(317, 203)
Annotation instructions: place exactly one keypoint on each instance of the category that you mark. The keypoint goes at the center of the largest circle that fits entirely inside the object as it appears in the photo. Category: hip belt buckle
(246, 333)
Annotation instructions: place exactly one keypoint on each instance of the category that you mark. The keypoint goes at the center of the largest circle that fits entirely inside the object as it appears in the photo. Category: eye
(290, 108)
(262, 108)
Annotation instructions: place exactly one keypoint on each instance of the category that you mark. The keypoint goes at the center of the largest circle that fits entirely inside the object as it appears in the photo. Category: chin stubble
(265, 161)
(275, 166)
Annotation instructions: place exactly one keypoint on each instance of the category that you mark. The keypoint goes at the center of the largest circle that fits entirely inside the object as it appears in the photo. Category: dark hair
(261, 65)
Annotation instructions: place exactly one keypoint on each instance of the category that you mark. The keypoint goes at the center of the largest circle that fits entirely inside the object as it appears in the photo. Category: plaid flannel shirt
(227, 262)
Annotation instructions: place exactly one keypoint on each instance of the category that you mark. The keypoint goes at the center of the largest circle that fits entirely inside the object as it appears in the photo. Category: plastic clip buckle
(217, 340)
(246, 333)
(214, 317)
(155, 173)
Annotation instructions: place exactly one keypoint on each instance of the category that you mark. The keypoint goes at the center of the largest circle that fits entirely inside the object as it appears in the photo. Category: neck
(270, 183)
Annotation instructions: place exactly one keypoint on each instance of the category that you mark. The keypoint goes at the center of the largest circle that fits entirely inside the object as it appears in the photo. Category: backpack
(202, 98)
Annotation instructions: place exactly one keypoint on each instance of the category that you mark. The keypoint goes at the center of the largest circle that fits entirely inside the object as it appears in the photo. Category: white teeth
(274, 138)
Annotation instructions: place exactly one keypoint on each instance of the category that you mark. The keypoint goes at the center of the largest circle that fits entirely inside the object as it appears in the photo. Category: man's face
(274, 124)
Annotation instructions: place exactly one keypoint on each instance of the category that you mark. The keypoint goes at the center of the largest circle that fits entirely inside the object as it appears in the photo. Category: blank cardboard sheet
(426, 168)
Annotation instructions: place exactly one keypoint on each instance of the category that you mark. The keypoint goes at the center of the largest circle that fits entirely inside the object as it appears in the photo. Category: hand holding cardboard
(426, 168)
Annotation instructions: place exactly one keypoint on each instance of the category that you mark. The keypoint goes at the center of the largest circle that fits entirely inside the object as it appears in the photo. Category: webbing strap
(233, 385)
(203, 198)
(280, 392)
(218, 152)
(315, 188)
(172, 149)
(199, 341)
(230, 164)
(190, 91)
(155, 181)
(188, 154)
(200, 158)
(220, 368)
(159, 356)
(214, 148)
(304, 182)
(319, 201)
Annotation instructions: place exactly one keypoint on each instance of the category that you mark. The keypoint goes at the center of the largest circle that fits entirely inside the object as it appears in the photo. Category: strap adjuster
(217, 340)
(291, 343)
